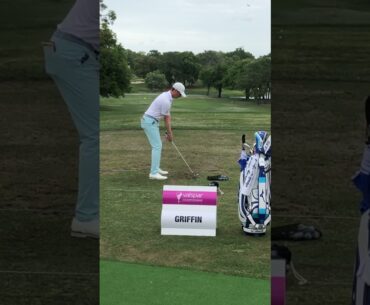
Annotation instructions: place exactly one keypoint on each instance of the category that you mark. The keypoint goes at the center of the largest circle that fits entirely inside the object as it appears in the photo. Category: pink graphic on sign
(190, 197)
(278, 290)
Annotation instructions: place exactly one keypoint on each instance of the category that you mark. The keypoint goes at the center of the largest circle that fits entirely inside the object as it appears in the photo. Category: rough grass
(208, 132)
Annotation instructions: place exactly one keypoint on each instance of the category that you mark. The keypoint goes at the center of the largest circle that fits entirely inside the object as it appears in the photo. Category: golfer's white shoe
(162, 172)
(85, 228)
(157, 176)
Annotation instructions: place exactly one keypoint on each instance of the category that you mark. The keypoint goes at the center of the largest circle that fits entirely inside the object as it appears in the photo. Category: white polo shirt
(82, 21)
(160, 106)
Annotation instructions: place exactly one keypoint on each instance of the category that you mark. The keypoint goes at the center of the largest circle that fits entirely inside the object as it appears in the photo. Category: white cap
(179, 87)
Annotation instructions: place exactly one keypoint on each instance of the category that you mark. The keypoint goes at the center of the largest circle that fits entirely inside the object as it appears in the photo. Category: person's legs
(151, 129)
(361, 283)
(75, 72)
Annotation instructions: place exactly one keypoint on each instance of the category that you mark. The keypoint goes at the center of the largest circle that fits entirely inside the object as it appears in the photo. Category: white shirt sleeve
(165, 108)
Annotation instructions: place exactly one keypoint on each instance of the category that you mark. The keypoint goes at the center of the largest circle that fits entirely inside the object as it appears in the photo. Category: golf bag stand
(254, 196)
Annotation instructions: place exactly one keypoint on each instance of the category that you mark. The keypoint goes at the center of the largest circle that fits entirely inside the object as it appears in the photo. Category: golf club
(195, 175)
(215, 183)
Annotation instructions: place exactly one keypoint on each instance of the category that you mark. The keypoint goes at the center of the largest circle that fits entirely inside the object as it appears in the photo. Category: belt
(75, 39)
(152, 117)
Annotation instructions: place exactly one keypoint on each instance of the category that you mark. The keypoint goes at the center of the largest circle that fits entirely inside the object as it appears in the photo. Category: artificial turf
(134, 284)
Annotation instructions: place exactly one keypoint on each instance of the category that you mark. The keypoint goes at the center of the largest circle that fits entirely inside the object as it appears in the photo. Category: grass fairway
(123, 283)
(207, 131)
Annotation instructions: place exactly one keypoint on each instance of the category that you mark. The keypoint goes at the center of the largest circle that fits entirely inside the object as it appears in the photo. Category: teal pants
(75, 70)
(151, 129)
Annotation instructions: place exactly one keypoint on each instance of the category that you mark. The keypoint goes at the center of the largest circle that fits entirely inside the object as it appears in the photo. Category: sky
(193, 25)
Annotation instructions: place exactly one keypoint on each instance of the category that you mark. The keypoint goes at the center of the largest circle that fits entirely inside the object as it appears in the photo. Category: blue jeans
(151, 129)
(75, 70)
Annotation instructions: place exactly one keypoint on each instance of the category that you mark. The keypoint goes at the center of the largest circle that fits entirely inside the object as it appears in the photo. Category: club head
(189, 175)
(214, 183)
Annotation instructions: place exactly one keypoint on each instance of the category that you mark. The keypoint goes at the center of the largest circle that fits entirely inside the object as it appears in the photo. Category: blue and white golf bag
(254, 196)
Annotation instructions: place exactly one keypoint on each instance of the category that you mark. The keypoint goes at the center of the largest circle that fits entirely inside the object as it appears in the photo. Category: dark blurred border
(39, 262)
(320, 78)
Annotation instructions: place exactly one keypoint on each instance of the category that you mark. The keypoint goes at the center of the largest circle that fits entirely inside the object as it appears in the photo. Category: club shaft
(182, 157)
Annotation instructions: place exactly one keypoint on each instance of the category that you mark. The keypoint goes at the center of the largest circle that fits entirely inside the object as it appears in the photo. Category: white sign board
(189, 210)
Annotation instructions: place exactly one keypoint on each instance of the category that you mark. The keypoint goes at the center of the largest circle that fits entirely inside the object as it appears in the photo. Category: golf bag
(254, 195)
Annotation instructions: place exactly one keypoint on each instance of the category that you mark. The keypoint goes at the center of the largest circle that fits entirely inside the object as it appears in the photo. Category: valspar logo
(179, 196)
(189, 197)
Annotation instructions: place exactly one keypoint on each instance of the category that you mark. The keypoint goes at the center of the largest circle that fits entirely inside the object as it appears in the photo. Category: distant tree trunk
(246, 94)
(256, 96)
(268, 92)
(208, 88)
(219, 91)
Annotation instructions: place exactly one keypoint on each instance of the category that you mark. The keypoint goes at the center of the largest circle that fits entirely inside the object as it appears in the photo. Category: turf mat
(133, 284)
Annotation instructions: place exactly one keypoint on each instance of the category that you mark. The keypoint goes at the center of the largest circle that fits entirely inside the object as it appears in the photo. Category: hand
(169, 136)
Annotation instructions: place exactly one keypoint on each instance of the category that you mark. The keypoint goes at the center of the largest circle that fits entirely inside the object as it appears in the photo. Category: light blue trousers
(151, 129)
(75, 70)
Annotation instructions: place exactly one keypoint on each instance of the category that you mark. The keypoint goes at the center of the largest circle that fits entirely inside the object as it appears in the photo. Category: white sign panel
(189, 210)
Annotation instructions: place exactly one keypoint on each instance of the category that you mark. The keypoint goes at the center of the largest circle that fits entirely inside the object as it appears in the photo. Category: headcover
(263, 142)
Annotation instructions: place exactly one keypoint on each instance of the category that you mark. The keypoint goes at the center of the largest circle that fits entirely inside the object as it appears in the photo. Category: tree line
(234, 70)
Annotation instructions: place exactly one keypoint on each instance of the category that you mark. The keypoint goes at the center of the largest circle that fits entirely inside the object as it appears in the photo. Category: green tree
(255, 78)
(107, 17)
(266, 75)
(180, 66)
(153, 60)
(206, 75)
(114, 71)
(244, 78)
(209, 58)
(141, 63)
(137, 63)
(189, 68)
(171, 66)
(239, 54)
(218, 76)
(235, 62)
(213, 69)
(155, 80)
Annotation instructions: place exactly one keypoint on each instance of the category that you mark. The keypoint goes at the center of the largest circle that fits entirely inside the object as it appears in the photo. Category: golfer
(361, 280)
(71, 59)
(158, 109)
